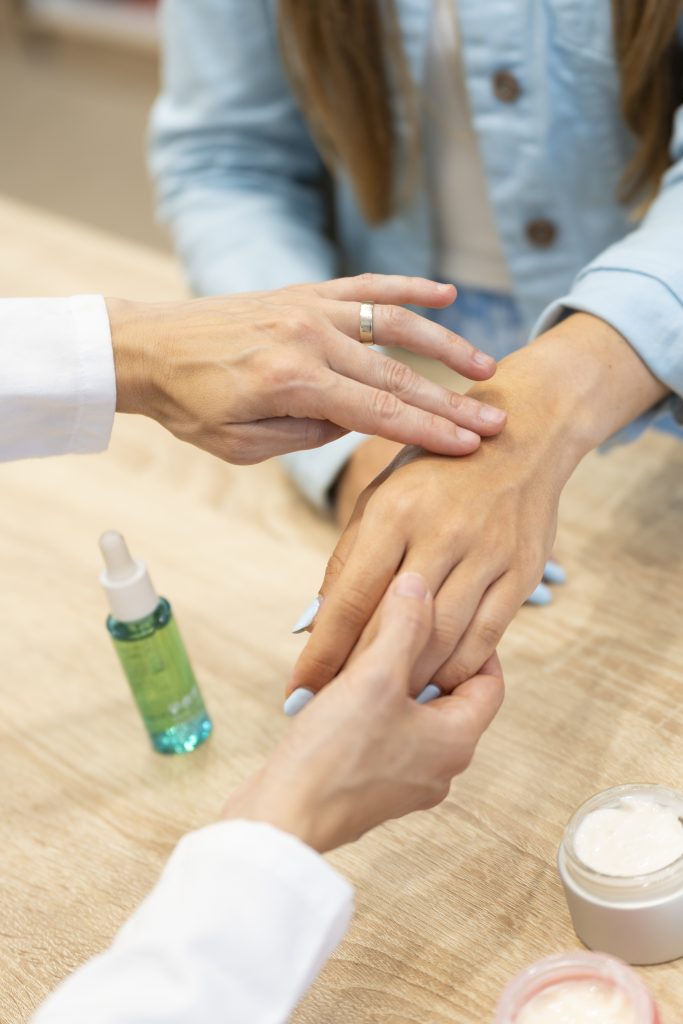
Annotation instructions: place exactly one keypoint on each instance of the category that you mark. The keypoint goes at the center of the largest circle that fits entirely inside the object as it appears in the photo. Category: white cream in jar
(621, 864)
(634, 837)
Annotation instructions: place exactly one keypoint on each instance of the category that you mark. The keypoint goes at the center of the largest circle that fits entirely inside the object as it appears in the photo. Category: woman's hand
(364, 751)
(251, 376)
(479, 529)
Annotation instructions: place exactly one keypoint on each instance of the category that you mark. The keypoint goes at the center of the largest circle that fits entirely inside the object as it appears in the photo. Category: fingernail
(411, 584)
(481, 359)
(308, 616)
(466, 436)
(430, 692)
(541, 595)
(554, 573)
(489, 414)
(297, 700)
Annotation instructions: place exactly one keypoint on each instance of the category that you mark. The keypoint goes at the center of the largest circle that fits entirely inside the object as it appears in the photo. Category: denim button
(541, 232)
(506, 87)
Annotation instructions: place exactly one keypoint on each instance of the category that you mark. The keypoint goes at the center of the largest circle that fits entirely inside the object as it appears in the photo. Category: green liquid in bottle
(162, 681)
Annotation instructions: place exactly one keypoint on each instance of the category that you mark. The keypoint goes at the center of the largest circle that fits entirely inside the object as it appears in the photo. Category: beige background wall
(72, 124)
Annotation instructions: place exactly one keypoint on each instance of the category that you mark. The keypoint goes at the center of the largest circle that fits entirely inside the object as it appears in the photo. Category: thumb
(405, 626)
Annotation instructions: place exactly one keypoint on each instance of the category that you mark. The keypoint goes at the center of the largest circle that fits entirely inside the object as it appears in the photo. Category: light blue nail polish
(540, 596)
(297, 700)
(430, 692)
(554, 573)
(307, 617)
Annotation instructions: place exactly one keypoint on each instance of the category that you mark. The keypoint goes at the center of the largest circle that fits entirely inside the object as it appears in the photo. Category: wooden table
(451, 903)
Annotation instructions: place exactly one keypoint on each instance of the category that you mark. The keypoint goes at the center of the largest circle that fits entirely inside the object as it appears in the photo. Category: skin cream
(634, 837)
(621, 864)
(577, 988)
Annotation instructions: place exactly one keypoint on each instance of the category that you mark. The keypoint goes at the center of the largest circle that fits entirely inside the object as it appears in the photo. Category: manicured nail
(481, 359)
(554, 573)
(430, 692)
(411, 584)
(297, 700)
(489, 414)
(307, 617)
(541, 595)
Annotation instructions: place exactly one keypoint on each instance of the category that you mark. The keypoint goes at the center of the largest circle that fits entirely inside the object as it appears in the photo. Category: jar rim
(651, 883)
(575, 965)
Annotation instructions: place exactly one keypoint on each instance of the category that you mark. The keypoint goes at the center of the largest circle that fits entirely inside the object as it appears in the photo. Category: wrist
(133, 345)
(580, 381)
(544, 411)
(279, 805)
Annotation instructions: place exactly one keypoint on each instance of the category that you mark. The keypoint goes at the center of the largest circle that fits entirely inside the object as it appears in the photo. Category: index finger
(348, 606)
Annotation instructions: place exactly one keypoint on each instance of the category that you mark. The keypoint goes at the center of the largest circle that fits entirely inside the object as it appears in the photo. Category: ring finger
(398, 326)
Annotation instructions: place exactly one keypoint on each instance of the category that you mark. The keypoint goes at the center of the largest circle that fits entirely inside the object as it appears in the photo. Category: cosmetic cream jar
(585, 988)
(621, 864)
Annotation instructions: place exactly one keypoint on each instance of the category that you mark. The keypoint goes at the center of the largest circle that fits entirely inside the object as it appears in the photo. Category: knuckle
(281, 371)
(234, 446)
(399, 378)
(397, 506)
(434, 794)
(412, 621)
(443, 635)
(384, 406)
(456, 670)
(352, 605)
(465, 758)
(303, 324)
(314, 434)
(318, 665)
(334, 569)
(366, 279)
(456, 402)
(489, 631)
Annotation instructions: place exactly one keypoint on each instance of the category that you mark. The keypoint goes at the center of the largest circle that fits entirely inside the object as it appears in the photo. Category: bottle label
(161, 678)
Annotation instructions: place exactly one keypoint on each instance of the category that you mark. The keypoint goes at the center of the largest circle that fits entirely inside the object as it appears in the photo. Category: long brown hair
(344, 56)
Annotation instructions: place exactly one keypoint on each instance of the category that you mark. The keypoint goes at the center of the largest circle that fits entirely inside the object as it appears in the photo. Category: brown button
(506, 87)
(541, 232)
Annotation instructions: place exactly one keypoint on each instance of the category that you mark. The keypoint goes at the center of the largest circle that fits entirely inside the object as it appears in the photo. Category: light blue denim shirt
(246, 195)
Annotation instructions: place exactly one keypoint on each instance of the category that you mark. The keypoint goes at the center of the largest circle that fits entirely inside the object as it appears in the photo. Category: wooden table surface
(451, 902)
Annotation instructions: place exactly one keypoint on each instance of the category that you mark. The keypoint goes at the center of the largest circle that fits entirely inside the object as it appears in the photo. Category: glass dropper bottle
(152, 652)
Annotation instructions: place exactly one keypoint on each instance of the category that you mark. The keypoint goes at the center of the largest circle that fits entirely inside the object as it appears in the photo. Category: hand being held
(479, 529)
(247, 377)
(364, 751)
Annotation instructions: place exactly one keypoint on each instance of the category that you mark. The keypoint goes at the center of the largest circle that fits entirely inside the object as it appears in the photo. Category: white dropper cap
(126, 581)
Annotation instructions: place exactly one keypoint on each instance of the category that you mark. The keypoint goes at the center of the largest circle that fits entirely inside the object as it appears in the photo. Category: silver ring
(367, 313)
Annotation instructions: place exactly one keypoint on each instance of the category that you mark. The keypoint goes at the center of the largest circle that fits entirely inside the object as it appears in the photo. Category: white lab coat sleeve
(235, 931)
(57, 381)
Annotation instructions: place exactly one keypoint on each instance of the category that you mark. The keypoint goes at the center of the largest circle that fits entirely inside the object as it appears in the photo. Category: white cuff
(57, 381)
(236, 930)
